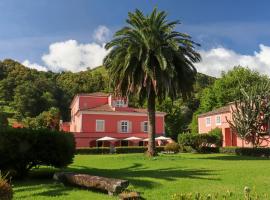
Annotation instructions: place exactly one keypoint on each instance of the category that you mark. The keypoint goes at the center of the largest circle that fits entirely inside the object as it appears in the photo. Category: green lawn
(157, 178)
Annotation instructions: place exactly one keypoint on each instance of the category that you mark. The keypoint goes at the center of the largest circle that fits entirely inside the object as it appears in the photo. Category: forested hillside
(27, 94)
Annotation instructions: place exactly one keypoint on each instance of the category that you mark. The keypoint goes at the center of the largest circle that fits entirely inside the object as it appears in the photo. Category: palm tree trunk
(151, 108)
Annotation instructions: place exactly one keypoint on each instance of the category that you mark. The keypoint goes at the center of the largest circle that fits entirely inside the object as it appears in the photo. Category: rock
(130, 196)
(110, 185)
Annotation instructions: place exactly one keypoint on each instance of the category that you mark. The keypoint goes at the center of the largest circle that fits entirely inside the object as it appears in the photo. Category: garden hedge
(246, 151)
(118, 150)
(23, 149)
(101, 150)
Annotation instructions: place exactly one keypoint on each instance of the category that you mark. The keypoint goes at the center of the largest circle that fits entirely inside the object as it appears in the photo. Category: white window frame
(218, 123)
(208, 124)
(103, 128)
(119, 103)
(145, 126)
(121, 126)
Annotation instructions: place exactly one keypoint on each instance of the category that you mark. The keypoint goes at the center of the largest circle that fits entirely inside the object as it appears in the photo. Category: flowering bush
(247, 195)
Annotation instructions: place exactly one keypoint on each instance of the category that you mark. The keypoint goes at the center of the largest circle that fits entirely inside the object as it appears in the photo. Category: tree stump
(110, 185)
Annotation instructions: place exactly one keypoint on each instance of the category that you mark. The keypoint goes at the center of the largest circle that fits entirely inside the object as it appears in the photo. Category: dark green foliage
(190, 139)
(172, 147)
(247, 151)
(187, 149)
(23, 149)
(30, 92)
(215, 137)
(197, 141)
(46, 120)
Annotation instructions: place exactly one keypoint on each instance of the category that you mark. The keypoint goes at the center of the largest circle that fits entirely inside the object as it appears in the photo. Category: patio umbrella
(162, 138)
(106, 138)
(133, 138)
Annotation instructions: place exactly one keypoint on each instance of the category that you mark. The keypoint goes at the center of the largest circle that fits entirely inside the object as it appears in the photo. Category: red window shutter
(119, 126)
(142, 126)
(130, 126)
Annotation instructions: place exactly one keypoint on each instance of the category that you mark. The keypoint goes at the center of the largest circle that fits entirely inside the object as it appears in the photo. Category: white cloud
(72, 56)
(216, 60)
(101, 34)
(36, 66)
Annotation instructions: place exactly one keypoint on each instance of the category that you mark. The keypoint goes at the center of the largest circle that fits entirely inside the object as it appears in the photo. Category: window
(218, 120)
(100, 125)
(145, 126)
(119, 103)
(124, 126)
(208, 121)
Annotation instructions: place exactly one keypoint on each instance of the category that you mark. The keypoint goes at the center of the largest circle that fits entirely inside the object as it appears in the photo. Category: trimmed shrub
(196, 141)
(6, 192)
(187, 149)
(23, 149)
(132, 149)
(95, 150)
(118, 150)
(172, 147)
(135, 149)
(189, 139)
(247, 151)
(215, 137)
(228, 150)
(205, 149)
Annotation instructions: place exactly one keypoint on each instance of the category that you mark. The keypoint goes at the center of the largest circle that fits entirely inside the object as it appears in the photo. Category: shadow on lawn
(137, 174)
(141, 176)
(39, 187)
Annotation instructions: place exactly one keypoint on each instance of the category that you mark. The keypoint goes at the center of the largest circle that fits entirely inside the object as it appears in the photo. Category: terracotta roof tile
(223, 109)
(108, 108)
(98, 94)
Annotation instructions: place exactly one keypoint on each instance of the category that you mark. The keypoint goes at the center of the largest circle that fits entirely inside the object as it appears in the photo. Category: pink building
(97, 115)
(218, 118)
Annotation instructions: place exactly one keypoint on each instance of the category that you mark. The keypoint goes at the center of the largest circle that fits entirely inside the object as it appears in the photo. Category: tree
(46, 120)
(149, 58)
(251, 114)
(177, 118)
(225, 90)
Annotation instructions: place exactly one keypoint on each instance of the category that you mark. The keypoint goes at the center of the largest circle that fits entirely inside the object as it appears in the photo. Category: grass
(156, 178)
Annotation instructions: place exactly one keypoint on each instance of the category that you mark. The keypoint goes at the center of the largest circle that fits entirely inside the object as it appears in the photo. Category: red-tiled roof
(223, 109)
(108, 108)
(96, 94)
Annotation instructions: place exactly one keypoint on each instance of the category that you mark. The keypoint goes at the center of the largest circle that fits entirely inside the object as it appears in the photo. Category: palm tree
(148, 58)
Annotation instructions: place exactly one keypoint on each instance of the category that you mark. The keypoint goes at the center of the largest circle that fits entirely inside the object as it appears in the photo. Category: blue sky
(228, 27)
